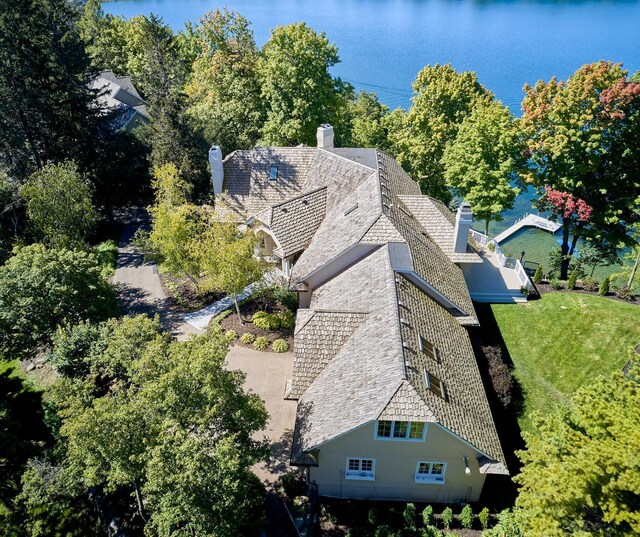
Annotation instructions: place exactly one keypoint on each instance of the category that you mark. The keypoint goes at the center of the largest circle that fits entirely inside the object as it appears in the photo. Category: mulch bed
(247, 309)
(186, 299)
(544, 288)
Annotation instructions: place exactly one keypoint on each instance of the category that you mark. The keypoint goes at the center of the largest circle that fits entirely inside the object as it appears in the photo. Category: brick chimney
(217, 169)
(325, 136)
(464, 220)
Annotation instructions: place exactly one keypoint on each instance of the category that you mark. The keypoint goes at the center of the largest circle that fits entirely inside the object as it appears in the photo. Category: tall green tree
(162, 74)
(42, 288)
(584, 148)
(46, 113)
(224, 90)
(581, 473)
(366, 121)
(59, 207)
(297, 87)
(442, 99)
(482, 161)
(173, 427)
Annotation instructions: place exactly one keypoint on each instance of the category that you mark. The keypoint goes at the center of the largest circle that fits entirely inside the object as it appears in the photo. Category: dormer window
(435, 384)
(428, 348)
(273, 173)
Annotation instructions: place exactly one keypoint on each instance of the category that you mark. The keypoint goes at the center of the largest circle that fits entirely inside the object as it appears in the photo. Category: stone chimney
(217, 169)
(464, 219)
(325, 136)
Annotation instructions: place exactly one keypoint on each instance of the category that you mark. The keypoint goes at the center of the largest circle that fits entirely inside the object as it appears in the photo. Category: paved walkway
(266, 375)
(139, 288)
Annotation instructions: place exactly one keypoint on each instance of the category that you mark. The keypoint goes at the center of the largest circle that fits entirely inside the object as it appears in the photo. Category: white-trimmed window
(362, 469)
(400, 430)
(428, 348)
(430, 472)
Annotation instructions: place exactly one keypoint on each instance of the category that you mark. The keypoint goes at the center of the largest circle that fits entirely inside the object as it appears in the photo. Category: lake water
(384, 43)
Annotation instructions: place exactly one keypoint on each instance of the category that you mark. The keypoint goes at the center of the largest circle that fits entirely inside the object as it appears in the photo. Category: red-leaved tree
(584, 154)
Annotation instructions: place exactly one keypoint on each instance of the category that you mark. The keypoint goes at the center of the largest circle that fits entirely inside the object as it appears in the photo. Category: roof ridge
(360, 165)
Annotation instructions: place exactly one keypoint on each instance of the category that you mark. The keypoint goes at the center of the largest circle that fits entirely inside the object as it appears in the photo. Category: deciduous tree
(42, 288)
(224, 89)
(297, 87)
(581, 472)
(481, 163)
(59, 208)
(442, 99)
(583, 137)
(173, 427)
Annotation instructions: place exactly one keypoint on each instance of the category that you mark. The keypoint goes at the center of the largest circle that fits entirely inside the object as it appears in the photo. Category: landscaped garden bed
(183, 294)
(273, 321)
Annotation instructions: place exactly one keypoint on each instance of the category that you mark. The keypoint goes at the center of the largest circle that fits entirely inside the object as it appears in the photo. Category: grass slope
(556, 350)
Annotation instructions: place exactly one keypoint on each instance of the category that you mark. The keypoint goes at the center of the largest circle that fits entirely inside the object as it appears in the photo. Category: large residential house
(118, 97)
(390, 402)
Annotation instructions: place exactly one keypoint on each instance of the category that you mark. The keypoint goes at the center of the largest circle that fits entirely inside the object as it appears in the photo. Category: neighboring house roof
(380, 266)
(119, 96)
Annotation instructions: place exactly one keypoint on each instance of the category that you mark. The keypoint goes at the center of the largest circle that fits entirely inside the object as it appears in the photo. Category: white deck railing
(515, 264)
(478, 237)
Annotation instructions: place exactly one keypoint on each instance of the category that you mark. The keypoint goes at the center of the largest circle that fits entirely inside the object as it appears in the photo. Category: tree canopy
(42, 288)
(482, 161)
(581, 472)
(583, 137)
(46, 112)
(442, 99)
(224, 89)
(59, 207)
(167, 422)
(297, 87)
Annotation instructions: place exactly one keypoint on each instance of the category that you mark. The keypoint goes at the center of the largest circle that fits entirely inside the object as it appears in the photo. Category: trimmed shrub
(231, 335)
(287, 298)
(500, 375)
(537, 277)
(409, 515)
(427, 515)
(492, 246)
(247, 338)
(573, 278)
(287, 319)
(264, 320)
(372, 514)
(483, 517)
(590, 284)
(605, 286)
(447, 517)
(261, 343)
(624, 293)
(466, 517)
(556, 284)
(279, 345)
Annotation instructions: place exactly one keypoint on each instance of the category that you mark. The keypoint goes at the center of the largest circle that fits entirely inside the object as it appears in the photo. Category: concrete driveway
(266, 375)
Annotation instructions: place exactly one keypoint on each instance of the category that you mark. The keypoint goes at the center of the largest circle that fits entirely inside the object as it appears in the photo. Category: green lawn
(560, 342)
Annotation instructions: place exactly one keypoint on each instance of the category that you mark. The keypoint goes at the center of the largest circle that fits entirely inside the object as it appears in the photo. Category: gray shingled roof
(376, 372)
(246, 177)
(294, 222)
(318, 340)
(465, 411)
(439, 222)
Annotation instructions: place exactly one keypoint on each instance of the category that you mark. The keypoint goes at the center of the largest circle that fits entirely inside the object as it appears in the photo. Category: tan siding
(395, 467)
